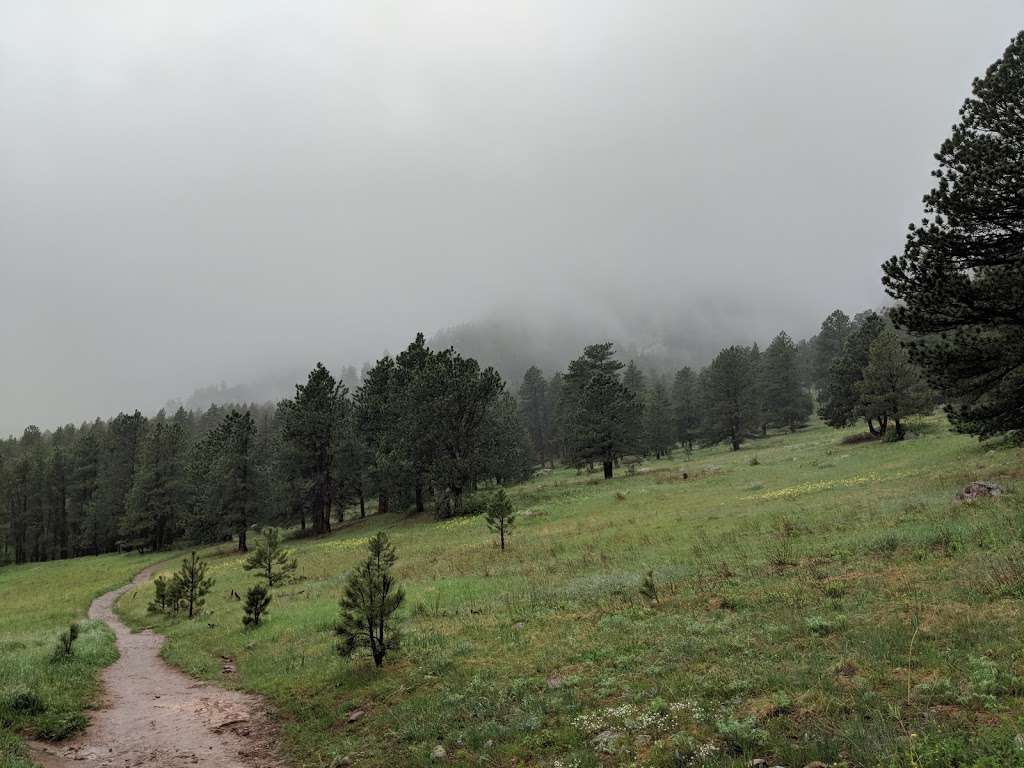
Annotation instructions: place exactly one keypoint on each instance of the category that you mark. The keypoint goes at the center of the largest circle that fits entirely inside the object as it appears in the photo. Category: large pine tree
(785, 401)
(728, 394)
(960, 278)
(893, 387)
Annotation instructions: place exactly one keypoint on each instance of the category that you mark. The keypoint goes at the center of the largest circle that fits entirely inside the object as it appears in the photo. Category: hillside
(828, 602)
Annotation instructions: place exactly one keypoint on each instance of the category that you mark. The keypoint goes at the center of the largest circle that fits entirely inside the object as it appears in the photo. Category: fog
(228, 191)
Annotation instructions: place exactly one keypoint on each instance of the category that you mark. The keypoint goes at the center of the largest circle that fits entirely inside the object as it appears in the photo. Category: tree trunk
(382, 504)
(419, 496)
(899, 427)
(362, 503)
(608, 470)
(242, 544)
(871, 426)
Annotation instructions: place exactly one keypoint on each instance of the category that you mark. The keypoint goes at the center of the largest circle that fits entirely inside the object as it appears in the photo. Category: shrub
(271, 560)
(256, 601)
(740, 736)
(23, 701)
(648, 589)
(372, 597)
(820, 626)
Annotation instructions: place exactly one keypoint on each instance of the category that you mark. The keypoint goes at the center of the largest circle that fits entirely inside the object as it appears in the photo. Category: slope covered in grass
(824, 602)
(38, 696)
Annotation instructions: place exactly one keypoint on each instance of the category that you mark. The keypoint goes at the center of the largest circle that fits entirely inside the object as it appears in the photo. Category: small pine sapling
(271, 560)
(500, 515)
(161, 602)
(191, 585)
(256, 601)
(372, 598)
(648, 588)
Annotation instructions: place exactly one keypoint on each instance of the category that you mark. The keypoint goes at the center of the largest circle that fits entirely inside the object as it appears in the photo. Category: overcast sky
(201, 191)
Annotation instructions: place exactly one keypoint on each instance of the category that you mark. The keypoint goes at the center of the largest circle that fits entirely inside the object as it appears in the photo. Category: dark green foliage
(893, 387)
(500, 515)
(162, 598)
(538, 412)
(191, 585)
(634, 380)
(257, 599)
(271, 561)
(601, 416)
(155, 500)
(786, 402)
(828, 345)
(840, 395)
(235, 477)
(659, 426)
(685, 407)
(728, 395)
(506, 451)
(960, 279)
(65, 647)
(314, 423)
(648, 588)
(368, 609)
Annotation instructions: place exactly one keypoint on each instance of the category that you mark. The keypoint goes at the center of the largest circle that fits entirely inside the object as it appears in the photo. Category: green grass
(829, 603)
(39, 697)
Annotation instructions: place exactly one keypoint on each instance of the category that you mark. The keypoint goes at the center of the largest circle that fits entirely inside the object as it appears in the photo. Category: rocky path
(155, 716)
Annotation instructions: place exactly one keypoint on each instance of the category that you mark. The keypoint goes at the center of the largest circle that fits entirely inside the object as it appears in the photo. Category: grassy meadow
(39, 697)
(817, 600)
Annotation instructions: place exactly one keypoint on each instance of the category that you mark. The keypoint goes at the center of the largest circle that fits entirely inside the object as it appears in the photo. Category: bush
(740, 736)
(23, 701)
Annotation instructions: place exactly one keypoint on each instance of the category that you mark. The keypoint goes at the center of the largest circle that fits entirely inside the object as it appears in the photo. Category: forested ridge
(418, 431)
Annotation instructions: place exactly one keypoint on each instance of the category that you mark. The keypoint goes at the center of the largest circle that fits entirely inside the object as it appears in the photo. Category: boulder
(979, 489)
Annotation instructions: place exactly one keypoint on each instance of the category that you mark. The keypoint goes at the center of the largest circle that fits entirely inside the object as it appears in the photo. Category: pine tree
(728, 397)
(369, 606)
(840, 397)
(602, 416)
(500, 515)
(257, 599)
(537, 410)
(786, 402)
(659, 427)
(271, 561)
(155, 500)
(234, 480)
(828, 345)
(313, 426)
(960, 279)
(685, 407)
(191, 584)
(161, 602)
(634, 380)
(893, 386)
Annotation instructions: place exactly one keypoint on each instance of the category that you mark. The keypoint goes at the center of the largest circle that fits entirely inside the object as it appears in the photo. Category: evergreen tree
(500, 515)
(313, 423)
(603, 417)
(271, 560)
(840, 397)
(234, 481)
(786, 402)
(115, 474)
(257, 599)
(685, 407)
(538, 413)
(893, 386)
(634, 380)
(455, 396)
(659, 426)
(155, 501)
(960, 279)
(506, 450)
(190, 585)
(369, 606)
(828, 345)
(728, 398)
(378, 426)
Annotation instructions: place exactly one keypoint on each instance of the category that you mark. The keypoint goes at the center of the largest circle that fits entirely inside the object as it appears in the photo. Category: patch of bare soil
(155, 716)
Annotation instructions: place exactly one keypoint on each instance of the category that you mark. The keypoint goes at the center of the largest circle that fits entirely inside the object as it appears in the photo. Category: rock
(816, 764)
(607, 741)
(979, 489)
(438, 753)
(342, 762)
(555, 681)
(519, 626)
(641, 741)
(355, 714)
(757, 762)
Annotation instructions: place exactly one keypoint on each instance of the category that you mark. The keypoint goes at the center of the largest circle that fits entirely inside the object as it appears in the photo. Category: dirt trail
(155, 716)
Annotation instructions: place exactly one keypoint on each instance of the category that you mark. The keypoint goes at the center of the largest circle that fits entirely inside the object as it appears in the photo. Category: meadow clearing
(816, 601)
